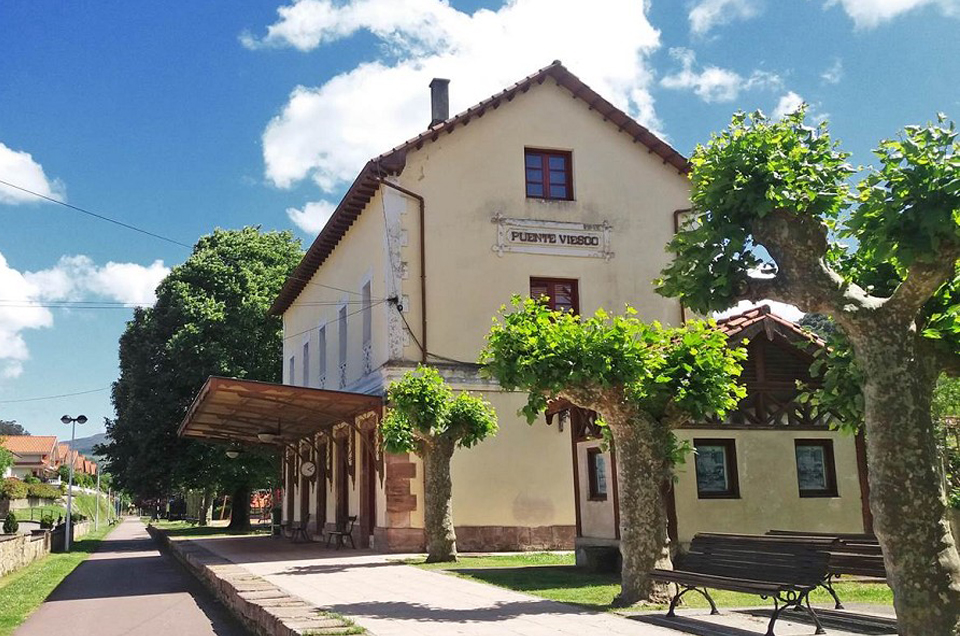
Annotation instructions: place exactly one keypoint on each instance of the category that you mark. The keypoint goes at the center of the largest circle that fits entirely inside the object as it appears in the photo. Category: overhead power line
(160, 237)
(54, 397)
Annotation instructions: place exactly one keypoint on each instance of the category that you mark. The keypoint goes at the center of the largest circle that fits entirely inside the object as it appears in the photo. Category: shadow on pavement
(417, 612)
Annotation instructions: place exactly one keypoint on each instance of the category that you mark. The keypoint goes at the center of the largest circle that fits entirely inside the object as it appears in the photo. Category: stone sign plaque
(558, 238)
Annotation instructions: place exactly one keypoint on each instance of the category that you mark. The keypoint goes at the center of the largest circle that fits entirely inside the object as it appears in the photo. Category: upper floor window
(291, 369)
(562, 293)
(816, 471)
(306, 364)
(549, 174)
(342, 329)
(716, 466)
(322, 356)
(367, 313)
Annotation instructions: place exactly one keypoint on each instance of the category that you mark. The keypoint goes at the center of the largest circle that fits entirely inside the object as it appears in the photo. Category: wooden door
(304, 490)
(342, 490)
(322, 487)
(368, 492)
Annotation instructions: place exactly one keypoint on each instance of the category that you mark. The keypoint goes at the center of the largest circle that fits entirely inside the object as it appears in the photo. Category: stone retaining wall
(79, 530)
(19, 504)
(19, 550)
(261, 606)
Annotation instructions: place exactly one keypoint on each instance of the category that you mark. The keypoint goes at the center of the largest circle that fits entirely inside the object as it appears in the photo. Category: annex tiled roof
(393, 162)
(761, 318)
(29, 444)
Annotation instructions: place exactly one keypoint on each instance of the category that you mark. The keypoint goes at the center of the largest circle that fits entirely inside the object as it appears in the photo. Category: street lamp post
(96, 523)
(73, 421)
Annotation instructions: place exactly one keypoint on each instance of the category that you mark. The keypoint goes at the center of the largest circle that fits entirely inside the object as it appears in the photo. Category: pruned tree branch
(922, 281)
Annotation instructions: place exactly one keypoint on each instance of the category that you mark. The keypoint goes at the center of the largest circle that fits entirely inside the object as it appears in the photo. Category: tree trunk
(641, 473)
(906, 494)
(240, 509)
(438, 502)
(206, 499)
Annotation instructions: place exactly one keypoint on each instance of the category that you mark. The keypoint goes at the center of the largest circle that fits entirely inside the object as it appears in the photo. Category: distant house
(8, 471)
(36, 455)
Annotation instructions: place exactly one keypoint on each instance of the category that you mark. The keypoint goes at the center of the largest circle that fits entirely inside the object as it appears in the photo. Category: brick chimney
(439, 101)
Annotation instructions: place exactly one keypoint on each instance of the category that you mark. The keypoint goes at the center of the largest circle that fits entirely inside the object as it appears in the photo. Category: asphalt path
(129, 587)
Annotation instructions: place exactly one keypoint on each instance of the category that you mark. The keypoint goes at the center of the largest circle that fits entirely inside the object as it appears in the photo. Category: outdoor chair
(300, 530)
(343, 533)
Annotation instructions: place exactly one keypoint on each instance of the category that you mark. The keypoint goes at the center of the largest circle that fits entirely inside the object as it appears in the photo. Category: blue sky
(183, 117)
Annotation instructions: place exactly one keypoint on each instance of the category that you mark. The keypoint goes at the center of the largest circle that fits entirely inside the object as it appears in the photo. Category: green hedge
(44, 491)
(12, 488)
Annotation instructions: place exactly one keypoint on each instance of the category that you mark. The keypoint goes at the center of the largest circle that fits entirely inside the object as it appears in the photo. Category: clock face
(308, 469)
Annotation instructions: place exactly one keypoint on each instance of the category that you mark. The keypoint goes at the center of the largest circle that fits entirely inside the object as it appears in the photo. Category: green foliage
(46, 522)
(946, 398)
(6, 458)
(754, 167)
(64, 472)
(10, 524)
(12, 488)
(11, 427)
(43, 491)
(30, 479)
(424, 409)
(210, 318)
(689, 369)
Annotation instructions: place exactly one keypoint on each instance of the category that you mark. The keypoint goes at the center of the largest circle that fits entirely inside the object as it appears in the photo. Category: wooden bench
(343, 533)
(851, 554)
(783, 569)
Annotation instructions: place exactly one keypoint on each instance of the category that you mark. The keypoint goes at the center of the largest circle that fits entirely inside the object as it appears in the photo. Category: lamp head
(82, 419)
(66, 419)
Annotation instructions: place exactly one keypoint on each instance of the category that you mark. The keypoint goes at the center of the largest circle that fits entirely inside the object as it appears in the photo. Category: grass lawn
(187, 529)
(555, 577)
(22, 592)
(34, 514)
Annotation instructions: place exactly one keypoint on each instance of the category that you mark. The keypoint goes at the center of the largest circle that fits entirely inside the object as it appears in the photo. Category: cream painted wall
(769, 491)
(476, 172)
(597, 520)
(523, 476)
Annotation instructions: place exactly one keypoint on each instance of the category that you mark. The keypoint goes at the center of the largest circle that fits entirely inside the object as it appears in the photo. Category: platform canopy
(250, 412)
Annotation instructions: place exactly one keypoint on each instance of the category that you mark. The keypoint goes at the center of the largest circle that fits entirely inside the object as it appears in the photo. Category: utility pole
(96, 523)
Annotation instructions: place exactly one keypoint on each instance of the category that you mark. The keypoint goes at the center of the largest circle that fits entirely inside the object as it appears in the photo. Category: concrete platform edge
(261, 606)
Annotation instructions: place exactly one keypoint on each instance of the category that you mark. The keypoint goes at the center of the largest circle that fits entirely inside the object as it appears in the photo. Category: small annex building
(545, 188)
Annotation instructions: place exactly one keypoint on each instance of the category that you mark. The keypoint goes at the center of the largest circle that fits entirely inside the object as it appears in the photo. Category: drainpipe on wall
(423, 265)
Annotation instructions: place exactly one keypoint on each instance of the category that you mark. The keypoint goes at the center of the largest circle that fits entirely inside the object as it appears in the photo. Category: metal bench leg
(828, 585)
(676, 599)
(702, 592)
(777, 608)
(813, 615)
(713, 606)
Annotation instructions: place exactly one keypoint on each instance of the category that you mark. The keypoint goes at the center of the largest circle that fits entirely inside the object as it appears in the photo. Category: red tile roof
(394, 161)
(29, 444)
(761, 318)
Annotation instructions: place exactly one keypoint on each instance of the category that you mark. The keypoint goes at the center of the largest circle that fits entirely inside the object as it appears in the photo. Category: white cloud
(13, 320)
(867, 14)
(714, 84)
(72, 278)
(788, 103)
(834, 73)
(326, 133)
(706, 14)
(789, 312)
(78, 277)
(312, 217)
(19, 167)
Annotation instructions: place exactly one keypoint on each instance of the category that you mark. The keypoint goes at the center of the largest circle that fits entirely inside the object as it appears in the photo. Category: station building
(545, 188)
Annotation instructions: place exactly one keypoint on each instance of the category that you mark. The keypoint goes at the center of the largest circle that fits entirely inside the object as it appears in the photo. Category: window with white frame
(322, 356)
(367, 313)
(342, 329)
(306, 364)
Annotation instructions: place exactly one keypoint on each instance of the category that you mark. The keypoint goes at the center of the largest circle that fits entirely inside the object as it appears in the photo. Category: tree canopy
(210, 318)
(775, 217)
(11, 427)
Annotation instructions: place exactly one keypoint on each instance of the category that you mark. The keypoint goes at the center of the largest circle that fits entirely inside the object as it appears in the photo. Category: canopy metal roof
(235, 411)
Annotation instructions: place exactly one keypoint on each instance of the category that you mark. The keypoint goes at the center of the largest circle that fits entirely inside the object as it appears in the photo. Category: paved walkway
(391, 599)
(128, 587)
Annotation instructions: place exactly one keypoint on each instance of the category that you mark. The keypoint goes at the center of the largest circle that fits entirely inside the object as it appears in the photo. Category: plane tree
(644, 380)
(427, 419)
(775, 216)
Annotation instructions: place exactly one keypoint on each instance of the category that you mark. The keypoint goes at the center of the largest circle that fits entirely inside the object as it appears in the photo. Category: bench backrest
(855, 554)
(758, 557)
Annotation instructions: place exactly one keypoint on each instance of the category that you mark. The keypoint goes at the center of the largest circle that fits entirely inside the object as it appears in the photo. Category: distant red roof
(29, 444)
(394, 161)
(761, 318)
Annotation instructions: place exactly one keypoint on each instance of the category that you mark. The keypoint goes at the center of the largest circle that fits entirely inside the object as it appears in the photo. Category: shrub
(11, 525)
(46, 522)
(77, 517)
(12, 488)
(43, 491)
(30, 479)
